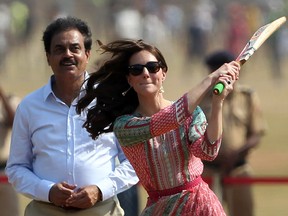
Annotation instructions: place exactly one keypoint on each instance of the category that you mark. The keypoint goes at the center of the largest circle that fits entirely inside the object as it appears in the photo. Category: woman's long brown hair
(107, 84)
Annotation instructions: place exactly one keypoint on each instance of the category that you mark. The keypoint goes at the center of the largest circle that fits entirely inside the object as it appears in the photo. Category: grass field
(26, 70)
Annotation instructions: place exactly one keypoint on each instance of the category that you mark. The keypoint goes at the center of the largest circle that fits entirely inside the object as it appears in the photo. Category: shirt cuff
(42, 191)
(107, 188)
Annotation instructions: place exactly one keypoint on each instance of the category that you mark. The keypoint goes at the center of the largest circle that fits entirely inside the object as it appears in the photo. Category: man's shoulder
(36, 95)
(244, 90)
(244, 94)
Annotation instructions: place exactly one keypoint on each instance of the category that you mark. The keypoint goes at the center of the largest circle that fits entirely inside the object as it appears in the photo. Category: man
(8, 197)
(53, 160)
(243, 128)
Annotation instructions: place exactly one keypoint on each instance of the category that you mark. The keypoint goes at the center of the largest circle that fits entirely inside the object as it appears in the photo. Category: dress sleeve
(132, 129)
(201, 146)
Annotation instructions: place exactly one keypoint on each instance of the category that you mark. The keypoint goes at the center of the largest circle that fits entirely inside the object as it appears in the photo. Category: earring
(125, 92)
(161, 90)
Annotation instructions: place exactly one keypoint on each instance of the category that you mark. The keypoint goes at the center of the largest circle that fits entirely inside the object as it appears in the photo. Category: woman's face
(145, 82)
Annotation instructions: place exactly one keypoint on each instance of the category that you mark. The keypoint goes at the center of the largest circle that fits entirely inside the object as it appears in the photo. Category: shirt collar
(48, 88)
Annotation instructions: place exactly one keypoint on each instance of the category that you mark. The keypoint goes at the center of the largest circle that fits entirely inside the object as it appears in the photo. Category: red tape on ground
(3, 179)
(249, 180)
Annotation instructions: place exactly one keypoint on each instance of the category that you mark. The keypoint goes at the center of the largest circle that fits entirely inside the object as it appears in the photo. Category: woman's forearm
(196, 94)
(214, 128)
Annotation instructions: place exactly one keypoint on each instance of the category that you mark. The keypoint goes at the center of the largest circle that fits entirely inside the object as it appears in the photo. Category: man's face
(67, 54)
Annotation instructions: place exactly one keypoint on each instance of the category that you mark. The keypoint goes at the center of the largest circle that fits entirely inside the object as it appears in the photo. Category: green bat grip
(218, 88)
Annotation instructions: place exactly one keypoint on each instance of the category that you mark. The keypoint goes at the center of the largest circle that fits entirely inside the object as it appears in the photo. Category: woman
(165, 141)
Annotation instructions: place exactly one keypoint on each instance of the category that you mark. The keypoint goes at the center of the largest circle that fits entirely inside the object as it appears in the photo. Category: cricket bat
(258, 38)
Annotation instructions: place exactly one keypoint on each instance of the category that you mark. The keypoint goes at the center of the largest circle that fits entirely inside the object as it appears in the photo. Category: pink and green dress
(166, 150)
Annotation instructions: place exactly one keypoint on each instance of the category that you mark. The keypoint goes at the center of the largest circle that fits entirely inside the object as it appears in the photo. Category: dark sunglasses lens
(136, 69)
(153, 67)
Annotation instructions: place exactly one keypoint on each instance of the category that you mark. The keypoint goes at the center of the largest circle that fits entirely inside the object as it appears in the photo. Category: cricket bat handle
(219, 87)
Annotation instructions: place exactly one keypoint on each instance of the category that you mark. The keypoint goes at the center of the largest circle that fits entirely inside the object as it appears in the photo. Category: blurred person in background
(200, 26)
(53, 159)
(9, 204)
(164, 140)
(129, 201)
(243, 129)
(238, 31)
(5, 17)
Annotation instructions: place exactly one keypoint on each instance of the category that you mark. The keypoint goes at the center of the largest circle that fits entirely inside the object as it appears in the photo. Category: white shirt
(49, 145)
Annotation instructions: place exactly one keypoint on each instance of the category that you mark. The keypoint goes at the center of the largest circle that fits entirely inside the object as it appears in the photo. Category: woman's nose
(145, 71)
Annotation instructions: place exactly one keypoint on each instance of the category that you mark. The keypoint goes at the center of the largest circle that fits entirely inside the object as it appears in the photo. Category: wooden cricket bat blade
(258, 38)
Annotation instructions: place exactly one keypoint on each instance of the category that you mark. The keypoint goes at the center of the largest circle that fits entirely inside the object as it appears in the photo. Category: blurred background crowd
(195, 27)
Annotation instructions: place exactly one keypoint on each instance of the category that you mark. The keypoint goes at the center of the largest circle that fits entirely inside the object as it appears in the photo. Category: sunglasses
(137, 69)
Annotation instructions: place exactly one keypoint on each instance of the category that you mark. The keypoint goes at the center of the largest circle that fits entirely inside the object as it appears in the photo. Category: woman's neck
(148, 107)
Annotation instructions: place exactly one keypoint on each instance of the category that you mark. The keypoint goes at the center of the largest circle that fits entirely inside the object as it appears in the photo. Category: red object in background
(3, 179)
